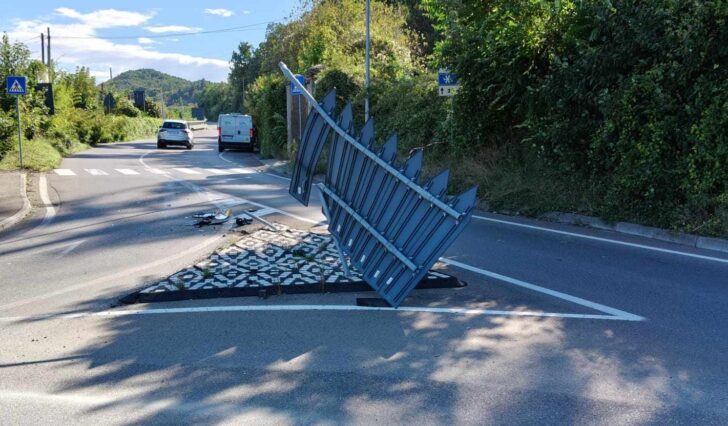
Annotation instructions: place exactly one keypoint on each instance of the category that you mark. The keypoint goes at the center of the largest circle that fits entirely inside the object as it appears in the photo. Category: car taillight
(219, 132)
(251, 132)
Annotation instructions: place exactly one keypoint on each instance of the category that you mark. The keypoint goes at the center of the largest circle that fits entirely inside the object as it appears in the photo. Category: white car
(175, 132)
(235, 131)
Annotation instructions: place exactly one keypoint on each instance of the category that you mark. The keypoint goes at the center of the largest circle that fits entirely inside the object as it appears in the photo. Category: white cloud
(220, 12)
(78, 44)
(106, 18)
(172, 29)
(246, 12)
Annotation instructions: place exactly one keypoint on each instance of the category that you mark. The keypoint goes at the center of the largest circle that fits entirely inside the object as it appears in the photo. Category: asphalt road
(558, 325)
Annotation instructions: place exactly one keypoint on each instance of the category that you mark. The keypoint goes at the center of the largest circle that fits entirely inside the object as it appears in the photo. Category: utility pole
(42, 48)
(50, 62)
(111, 76)
(366, 62)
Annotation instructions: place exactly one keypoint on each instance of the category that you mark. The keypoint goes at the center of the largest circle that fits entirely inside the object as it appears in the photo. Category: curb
(20, 215)
(264, 292)
(690, 240)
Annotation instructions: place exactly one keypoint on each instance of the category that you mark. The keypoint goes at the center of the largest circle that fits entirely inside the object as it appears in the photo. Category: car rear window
(173, 125)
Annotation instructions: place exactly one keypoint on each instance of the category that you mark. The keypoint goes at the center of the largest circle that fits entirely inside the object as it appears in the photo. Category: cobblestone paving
(263, 259)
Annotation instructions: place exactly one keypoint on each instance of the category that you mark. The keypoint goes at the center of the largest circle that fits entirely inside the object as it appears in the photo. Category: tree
(243, 72)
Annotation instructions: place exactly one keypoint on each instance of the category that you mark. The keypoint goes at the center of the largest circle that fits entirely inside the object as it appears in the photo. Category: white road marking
(127, 172)
(96, 172)
(71, 247)
(43, 192)
(265, 211)
(300, 308)
(51, 247)
(152, 266)
(275, 176)
(242, 171)
(156, 171)
(248, 171)
(225, 159)
(221, 200)
(603, 240)
(626, 316)
(64, 172)
(187, 171)
(218, 171)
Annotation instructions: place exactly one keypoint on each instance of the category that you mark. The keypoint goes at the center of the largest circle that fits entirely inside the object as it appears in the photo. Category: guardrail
(197, 124)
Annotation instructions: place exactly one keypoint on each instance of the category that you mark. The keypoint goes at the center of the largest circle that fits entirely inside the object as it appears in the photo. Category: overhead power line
(181, 34)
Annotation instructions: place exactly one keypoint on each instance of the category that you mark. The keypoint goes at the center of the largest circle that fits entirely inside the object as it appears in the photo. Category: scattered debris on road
(213, 218)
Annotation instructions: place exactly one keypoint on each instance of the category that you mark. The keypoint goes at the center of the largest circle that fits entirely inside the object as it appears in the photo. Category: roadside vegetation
(80, 118)
(609, 108)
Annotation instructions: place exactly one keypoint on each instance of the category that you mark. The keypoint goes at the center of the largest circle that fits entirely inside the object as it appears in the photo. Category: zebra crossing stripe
(64, 172)
(127, 171)
(187, 171)
(96, 172)
(218, 171)
(157, 171)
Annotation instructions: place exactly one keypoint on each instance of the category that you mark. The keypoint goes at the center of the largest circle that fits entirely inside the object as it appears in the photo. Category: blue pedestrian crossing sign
(295, 91)
(16, 85)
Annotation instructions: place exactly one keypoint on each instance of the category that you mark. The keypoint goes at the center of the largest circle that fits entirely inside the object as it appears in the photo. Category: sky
(169, 36)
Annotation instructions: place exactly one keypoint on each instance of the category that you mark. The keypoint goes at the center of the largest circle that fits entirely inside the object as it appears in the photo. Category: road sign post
(16, 86)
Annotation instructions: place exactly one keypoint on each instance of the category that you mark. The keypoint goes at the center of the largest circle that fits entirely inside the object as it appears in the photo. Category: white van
(235, 131)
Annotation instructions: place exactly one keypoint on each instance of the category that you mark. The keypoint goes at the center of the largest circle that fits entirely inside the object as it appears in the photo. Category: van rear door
(235, 128)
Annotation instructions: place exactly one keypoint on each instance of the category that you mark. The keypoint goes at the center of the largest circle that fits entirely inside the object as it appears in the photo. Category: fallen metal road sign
(392, 228)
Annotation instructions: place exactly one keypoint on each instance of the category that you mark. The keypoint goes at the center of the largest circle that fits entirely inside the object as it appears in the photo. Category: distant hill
(177, 91)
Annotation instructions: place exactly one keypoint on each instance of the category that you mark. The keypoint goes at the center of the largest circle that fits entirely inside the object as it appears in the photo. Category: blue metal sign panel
(16, 85)
(392, 228)
(295, 91)
(445, 78)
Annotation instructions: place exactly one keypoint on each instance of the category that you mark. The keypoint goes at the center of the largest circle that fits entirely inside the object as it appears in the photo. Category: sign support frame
(20, 140)
(21, 82)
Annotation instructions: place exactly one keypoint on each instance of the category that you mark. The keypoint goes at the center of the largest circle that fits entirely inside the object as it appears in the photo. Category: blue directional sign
(445, 78)
(447, 83)
(295, 91)
(16, 85)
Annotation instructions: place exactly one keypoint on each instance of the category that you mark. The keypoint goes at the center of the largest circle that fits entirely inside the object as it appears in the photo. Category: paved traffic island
(266, 262)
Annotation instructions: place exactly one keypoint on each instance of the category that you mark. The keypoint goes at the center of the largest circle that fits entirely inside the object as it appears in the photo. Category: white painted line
(127, 172)
(569, 298)
(275, 176)
(216, 196)
(604, 240)
(24, 209)
(265, 211)
(156, 171)
(64, 172)
(242, 171)
(187, 171)
(43, 192)
(300, 308)
(96, 172)
(218, 171)
(71, 247)
(152, 266)
(222, 157)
